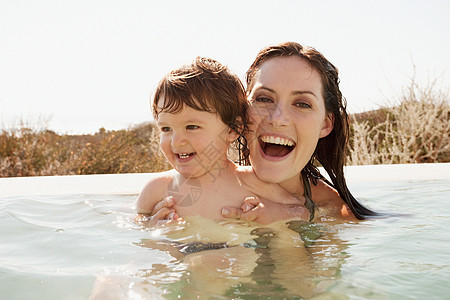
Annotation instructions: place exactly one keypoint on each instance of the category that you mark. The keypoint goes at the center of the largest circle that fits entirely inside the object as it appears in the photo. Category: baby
(200, 110)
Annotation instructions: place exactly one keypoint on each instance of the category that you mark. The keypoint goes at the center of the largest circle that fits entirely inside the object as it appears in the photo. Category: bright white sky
(86, 64)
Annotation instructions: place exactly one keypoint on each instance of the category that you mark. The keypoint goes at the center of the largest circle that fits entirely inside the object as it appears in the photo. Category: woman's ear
(327, 126)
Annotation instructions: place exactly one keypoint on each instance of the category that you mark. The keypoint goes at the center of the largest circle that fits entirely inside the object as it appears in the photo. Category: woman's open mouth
(275, 146)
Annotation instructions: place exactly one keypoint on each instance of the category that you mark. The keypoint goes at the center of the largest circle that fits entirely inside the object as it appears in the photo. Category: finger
(162, 222)
(173, 216)
(166, 202)
(253, 214)
(247, 207)
(231, 212)
(250, 203)
(249, 216)
(162, 214)
(253, 200)
(142, 218)
(167, 222)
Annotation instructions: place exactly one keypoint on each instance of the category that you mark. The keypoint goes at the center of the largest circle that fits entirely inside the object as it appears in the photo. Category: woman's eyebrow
(303, 92)
(267, 89)
(293, 93)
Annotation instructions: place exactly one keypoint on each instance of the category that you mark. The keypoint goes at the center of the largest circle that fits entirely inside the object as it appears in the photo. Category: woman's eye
(165, 129)
(303, 104)
(192, 127)
(263, 99)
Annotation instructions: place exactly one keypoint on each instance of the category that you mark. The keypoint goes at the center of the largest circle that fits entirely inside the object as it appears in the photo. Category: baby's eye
(192, 127)
(165, 129)
(263, 99)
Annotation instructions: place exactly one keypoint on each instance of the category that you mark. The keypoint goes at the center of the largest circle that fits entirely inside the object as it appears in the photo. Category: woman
(297, 116)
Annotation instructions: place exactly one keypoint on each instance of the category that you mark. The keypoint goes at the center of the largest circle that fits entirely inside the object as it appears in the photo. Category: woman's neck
(293, 185)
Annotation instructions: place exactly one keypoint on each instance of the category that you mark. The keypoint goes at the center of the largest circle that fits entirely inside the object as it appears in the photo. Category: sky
(74, 66)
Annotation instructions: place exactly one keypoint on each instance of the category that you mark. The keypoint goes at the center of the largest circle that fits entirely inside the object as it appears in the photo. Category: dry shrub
(28, 152)
(415, 130)
(24, 152)
(123, 151)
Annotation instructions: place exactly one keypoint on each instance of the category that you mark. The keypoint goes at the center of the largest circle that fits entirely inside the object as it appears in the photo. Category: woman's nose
(278, 116)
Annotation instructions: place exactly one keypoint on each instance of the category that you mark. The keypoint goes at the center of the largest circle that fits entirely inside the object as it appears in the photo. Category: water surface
(74, 246)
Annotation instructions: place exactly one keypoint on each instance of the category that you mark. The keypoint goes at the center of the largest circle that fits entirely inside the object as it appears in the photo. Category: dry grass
(27, 152)
(414, 130)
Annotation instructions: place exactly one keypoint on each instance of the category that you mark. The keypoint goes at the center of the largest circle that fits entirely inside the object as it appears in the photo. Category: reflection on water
(81, 246)
(292, 261)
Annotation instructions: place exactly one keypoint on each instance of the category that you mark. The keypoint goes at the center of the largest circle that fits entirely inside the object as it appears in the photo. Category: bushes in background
(26, 152)
(415, 130)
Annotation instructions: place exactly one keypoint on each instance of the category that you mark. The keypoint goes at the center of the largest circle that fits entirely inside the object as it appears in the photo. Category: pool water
(80, 245)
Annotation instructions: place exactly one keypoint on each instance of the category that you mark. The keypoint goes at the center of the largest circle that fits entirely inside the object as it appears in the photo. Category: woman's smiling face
(287, 117)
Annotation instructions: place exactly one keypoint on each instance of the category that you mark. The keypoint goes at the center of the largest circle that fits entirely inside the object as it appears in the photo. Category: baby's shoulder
(154, 190)
(159, 181)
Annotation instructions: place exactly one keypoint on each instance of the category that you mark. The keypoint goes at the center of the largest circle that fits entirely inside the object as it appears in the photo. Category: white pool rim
(133, 183)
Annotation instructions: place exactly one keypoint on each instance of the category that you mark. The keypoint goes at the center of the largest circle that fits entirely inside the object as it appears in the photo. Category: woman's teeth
(277, 140)
(276, 146)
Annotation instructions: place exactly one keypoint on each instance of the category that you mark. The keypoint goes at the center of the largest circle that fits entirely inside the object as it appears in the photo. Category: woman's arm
(272, 204)
(265, 211)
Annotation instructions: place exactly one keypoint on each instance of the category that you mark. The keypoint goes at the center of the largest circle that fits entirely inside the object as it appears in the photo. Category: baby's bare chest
(193, 198)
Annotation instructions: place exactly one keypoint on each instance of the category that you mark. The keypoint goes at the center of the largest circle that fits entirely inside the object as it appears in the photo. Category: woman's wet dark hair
(331, 150)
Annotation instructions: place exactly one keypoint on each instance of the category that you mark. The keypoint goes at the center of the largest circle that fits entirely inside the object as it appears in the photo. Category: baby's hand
(163, 213)
(264, 211)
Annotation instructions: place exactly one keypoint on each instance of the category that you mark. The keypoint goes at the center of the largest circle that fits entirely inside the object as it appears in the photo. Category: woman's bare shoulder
(323, 193)
(328, 199)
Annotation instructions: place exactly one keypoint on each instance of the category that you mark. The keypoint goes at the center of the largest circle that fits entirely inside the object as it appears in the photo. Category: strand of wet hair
(242, 147)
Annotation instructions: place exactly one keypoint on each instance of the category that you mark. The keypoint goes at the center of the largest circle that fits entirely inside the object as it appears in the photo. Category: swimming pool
(73, 237)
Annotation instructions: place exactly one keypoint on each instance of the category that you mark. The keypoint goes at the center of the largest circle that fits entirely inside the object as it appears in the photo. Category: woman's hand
(163, 213)
(264, 211)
